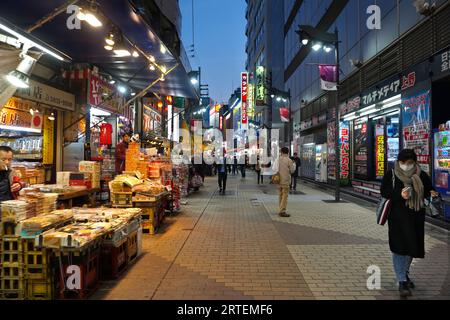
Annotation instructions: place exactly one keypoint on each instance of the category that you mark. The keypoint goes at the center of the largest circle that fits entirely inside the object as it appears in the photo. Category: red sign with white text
(244, 94)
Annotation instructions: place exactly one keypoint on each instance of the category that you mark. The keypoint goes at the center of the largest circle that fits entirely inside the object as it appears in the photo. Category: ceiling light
(122, 89)
(108, 47)
(135, 54)
(317, 46)
(51, 117)
(122, 53)
(163, 49)
(109, 39)
(152, 67)
(18, 79)
(93, 20)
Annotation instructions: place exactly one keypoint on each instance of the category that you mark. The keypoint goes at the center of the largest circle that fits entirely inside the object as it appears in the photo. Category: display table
(153, 210)
(70, 196)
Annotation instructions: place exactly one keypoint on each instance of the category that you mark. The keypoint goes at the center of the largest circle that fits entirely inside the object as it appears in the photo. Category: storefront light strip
(392, 104)
(20, 129)
(394, 98)
(30, 42)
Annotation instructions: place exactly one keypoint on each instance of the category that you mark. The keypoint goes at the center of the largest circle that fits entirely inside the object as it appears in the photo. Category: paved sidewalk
(237, 247)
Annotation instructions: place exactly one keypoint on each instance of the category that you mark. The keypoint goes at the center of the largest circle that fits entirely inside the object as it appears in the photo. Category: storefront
(382, 121)
(29, 124)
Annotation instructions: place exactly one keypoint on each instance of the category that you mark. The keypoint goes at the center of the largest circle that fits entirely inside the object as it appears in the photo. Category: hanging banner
(344, 140)
(361, 155)
(104, 95)
(416, 127)
(331, 143)
(260, 85)
(328, 77)
(284, 114)
(380, 157)
(48, 141)
(244, 93)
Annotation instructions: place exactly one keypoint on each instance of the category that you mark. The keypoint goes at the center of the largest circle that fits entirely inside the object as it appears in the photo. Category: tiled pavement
(236, 247)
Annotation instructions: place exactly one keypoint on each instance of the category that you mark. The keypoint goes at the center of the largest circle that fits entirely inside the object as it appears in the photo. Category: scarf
(412, 179)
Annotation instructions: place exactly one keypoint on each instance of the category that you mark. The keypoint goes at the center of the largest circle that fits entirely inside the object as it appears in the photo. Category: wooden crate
(39, 290)
(122, 199)
(11, 250)
(37, 261)
(11, 271)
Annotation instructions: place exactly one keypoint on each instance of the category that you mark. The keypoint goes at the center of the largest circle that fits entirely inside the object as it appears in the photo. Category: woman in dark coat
(407, 215)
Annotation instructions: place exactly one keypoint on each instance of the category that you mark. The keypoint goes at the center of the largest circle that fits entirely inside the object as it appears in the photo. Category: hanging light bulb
(110, 39)
(51, 117)
(135, 54)
(152, 67)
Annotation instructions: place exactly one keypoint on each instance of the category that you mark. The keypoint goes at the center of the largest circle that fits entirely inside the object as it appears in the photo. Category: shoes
(220, 191)
(411, 284)
(404, 289)
(223, 192)
(284, 215)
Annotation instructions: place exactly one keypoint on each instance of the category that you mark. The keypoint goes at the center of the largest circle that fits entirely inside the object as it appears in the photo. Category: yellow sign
(380, 156)
(49, 141)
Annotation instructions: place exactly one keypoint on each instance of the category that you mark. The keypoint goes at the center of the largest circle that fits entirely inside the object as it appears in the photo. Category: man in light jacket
(285, 167)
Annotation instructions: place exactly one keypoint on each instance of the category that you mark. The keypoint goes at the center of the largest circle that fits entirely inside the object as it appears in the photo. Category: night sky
(219, 42)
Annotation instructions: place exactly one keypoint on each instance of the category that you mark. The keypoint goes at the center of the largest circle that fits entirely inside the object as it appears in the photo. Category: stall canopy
(86, 45)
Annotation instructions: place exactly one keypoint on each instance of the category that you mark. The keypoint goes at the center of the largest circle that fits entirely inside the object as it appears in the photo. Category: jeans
(222, 181)
(294, 182)
(401, 266)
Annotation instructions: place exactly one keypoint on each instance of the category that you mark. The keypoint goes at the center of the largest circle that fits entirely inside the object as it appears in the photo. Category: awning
(87, 45)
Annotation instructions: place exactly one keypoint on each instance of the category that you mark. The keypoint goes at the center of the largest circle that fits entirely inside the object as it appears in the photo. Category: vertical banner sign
(244, 94)
(260, 86)
(361, 154)
(331, 143)
(380, 151)
(344, 140)
(416, 127)
(251, 101)
(328, 77)
(48, 141)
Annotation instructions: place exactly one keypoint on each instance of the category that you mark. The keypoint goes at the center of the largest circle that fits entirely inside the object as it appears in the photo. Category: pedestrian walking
(284, 166)
(407, 190)
(222, 174)
(294, 177)
(258, 170)
(234, 166)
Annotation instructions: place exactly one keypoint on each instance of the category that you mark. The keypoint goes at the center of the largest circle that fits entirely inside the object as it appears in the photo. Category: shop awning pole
(145, 90)
(62, 8)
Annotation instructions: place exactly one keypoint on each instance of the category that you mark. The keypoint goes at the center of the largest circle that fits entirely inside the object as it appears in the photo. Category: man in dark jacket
(294, 176)
(9, 183)
(121, 149)
(222, 173)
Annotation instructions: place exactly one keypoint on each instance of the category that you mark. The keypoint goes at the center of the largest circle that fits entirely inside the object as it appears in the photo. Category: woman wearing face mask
(407, 215)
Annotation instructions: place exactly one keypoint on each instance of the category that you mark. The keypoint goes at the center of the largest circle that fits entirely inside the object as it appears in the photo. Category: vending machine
(442, 167)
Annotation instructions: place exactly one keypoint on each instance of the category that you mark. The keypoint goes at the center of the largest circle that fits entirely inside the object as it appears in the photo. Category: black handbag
(384, 206)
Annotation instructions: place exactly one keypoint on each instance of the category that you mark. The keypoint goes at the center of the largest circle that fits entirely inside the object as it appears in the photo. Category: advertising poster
(380, 152)
(344, 140)
(361, 143)
(416, 127)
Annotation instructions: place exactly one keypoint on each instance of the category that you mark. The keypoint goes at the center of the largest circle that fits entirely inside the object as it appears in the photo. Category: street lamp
(326, 40)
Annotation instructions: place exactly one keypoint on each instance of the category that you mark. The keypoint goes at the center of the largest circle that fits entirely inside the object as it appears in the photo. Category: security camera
(424, 8)
(356, 63)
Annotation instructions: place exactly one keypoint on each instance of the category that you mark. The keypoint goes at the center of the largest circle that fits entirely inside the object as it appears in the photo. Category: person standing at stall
(10, 183)
(406, 186)
(121, 150)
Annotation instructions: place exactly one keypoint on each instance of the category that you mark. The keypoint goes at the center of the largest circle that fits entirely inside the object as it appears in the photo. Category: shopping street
(237, 247)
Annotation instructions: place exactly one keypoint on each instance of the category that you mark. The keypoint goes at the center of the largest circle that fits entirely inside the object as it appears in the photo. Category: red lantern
(106, 134)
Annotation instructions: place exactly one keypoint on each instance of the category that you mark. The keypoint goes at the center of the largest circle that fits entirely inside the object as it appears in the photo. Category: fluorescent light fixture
(366, 113)
(99, 113)
(122, 53)
(135, 54)
(317, 46)
(18, 79)
(122, 89)
(30, 42)
(20, 129)
(392, 104)
(305, 42)
(93, 20)
(152, 67)
(397, 97)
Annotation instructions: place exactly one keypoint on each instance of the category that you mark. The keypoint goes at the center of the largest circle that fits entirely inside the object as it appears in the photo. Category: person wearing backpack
(283, 167)
(407, 191)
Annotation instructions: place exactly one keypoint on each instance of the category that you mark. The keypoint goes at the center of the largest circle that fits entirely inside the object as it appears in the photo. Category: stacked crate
(38, 271)
(132, 156)
(12, 279)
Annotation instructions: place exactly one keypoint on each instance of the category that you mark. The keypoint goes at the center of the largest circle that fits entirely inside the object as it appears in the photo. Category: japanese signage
(48, 141)
(16, 113)
(102, 94)
(260, 86)
(350, 105)
(416, 127)
(441, 65)
(42, 93)
(361, 143)
(314, 121)
(381, 93)
(380, 151)
(244, 93)
(331, 143)
(344, 140)
(251, 101)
